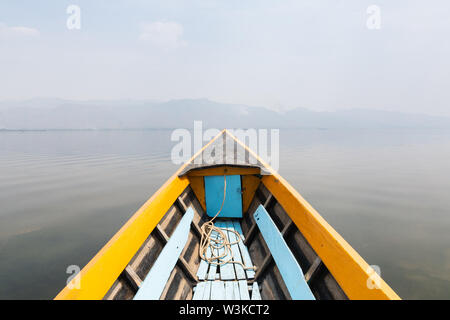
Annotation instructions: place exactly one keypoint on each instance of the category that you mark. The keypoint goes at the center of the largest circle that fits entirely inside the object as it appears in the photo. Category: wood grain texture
(287, 264)
(153, 285)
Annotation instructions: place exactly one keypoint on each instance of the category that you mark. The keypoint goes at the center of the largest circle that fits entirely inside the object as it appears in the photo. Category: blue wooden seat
(290, 270)
(155, 281)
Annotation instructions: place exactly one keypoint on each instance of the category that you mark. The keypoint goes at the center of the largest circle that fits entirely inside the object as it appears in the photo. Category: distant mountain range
(44, 114)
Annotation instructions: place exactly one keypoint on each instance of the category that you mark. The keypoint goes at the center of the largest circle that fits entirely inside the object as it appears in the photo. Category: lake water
(63, 194)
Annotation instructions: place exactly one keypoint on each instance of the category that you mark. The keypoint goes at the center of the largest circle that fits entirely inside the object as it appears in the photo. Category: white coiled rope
(213, 245)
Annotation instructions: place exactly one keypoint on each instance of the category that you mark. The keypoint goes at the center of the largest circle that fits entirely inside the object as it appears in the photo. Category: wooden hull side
(348, 268)
(98, 276)
(320, 280)
(100, 273)
(182, 278)
(317, 270)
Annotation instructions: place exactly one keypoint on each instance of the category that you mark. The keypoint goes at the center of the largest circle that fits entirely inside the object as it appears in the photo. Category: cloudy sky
(281, 54)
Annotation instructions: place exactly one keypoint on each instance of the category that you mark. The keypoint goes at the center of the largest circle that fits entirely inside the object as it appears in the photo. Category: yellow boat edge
(99, 274)
(350, 270)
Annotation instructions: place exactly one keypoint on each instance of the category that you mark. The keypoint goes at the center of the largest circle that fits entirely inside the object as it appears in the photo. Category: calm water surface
(63, 194)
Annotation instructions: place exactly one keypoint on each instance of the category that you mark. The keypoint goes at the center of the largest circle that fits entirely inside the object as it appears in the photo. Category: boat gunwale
(349, 269)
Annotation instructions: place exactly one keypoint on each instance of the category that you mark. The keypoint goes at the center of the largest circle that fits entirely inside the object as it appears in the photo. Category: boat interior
(193, 278)
(226, 226)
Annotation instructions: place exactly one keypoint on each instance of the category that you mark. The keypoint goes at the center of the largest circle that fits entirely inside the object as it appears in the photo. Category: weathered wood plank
(269, 198)
(212, 273)
(207, 293)
(262, 268)
(182, 263)
(132, 277)
(227, 269)
(240, 272)
(289, 268)
(288, 227)
(213, 266)
(251, 234)
(153, 285)
(229, 292)
(218, 290)
(199, 291)
(244, 251)
(243, 290)
(255, 292)
(203, 267)
(236, 293)
(309, 275)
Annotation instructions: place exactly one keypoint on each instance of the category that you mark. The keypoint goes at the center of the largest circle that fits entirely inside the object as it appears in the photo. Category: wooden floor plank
(213, 267)
(218, 290)
(243, 290)
(203, 267)
(256, 295)
(207, 292)
(240, 272)
(236, 293)
(227, 269)
(229, 291)
(244, 251)
(199, 291)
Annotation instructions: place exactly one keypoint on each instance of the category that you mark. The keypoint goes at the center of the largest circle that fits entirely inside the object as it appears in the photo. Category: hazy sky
(317, 54)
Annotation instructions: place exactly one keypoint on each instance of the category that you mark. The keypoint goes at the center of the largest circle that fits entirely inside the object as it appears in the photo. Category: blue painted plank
(214, 186)
(202, 269)
(244, 251)
(213, 267)
(289, 268)
(240, 273)
(255, 292)
(229, 291)
(243, 290)
(226, 270)
(153, 285)
(218, 290)
(199, 291)
(236, 294)
(207, 293)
